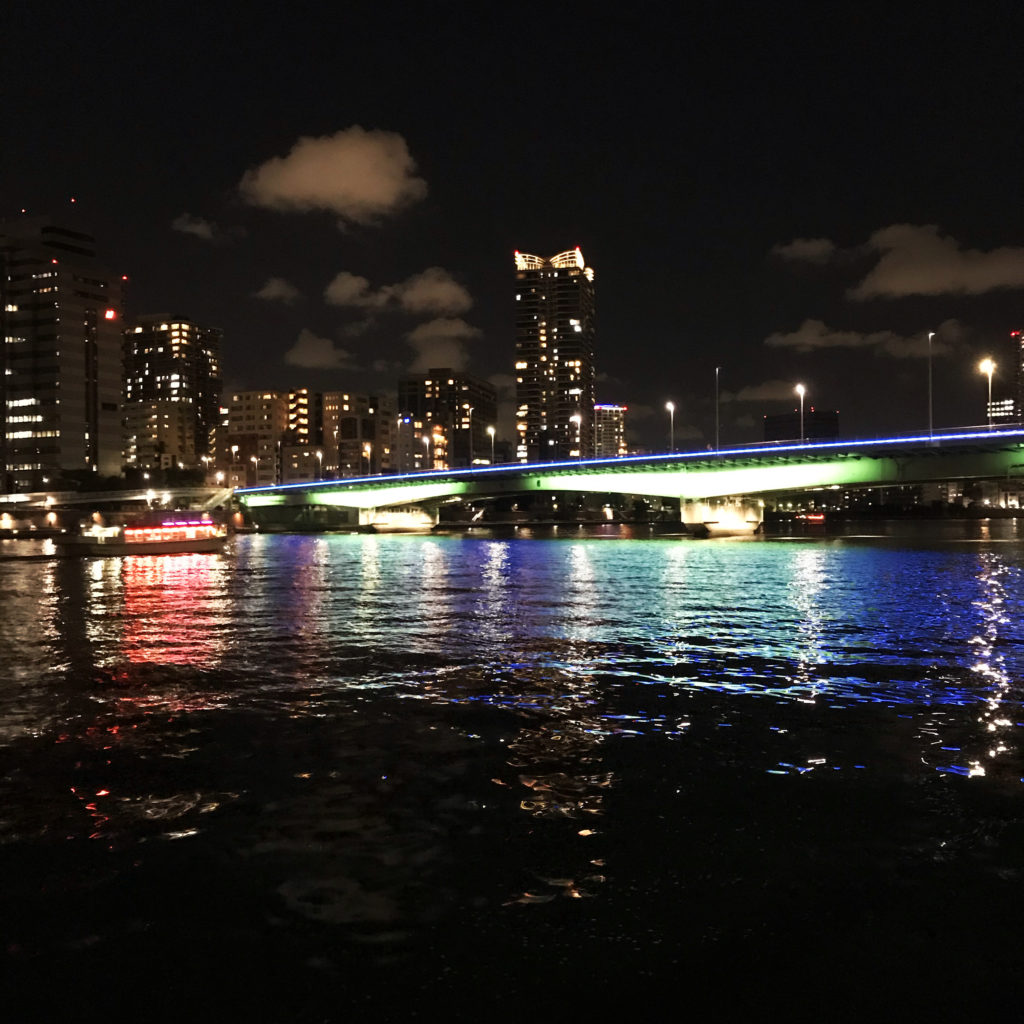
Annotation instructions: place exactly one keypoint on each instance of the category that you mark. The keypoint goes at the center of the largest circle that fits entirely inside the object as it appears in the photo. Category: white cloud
(312, 352)
(353, 291)
(432, 292)
(918, 260)
(359, 175)
(768, 391)
(806, 250)
(813, 335)
(189, 225)
(441, 343)
(277, 289)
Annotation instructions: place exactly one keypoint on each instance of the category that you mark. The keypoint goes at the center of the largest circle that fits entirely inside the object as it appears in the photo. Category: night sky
(793, 193)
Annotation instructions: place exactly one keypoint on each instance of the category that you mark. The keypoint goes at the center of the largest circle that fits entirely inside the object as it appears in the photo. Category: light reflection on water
(382, 734)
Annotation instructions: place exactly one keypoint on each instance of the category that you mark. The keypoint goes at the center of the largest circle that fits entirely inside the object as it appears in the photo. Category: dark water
(352, 777)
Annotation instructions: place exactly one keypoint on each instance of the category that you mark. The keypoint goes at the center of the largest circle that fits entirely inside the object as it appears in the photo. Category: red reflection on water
(164, 601)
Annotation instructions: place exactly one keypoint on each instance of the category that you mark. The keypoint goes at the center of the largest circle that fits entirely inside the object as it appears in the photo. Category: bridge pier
(722, 517)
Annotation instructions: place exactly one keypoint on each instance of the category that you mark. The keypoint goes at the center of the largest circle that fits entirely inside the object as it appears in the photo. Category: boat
(162, 533)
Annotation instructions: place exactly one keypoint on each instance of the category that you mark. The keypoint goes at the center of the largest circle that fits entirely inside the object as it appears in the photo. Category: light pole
(490, 430)
(987, 367)
(470, 411)
(319, 465)
(367, 450)
(931, 334)
(578, 420)
(255, 460)
(426, 452)
(671, 406)
(717, 372)
(801, 391)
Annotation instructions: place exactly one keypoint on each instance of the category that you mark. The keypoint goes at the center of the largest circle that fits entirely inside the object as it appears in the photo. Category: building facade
(358, 432)
(60, 365)
(457, 408)
(555, 330)
(610, 431)
(172, 392)
(256, 427)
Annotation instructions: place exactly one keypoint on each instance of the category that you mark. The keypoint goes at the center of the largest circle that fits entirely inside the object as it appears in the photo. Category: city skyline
(779, 198)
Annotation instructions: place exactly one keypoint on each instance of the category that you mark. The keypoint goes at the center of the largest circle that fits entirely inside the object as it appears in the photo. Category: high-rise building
(60, 363)
(172, 391)
(554, 357)
(257, 424)
(610, 431)
(1017, 355)
(457, 406)
(358, 434)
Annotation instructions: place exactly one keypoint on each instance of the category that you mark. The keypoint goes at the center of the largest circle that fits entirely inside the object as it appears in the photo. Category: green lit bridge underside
(751, 472)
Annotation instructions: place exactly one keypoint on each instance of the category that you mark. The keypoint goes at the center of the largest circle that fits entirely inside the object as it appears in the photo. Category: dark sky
(683, 147)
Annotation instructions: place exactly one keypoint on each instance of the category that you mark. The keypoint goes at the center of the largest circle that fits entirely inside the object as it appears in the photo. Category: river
(316, 776)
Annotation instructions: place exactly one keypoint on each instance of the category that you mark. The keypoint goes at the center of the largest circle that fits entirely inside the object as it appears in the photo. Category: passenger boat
(164, 533)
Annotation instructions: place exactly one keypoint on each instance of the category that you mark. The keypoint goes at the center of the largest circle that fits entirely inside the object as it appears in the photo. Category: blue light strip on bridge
(751, 449)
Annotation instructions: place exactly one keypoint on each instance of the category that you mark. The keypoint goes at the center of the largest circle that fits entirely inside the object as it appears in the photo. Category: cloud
(432, 292)
(277, 289)
(312, 352)
(918, 260)
(189, 225)
(768, 391)
(359, 175)
(441, 343)
(353, 291)
(813, 335)
(806, 250)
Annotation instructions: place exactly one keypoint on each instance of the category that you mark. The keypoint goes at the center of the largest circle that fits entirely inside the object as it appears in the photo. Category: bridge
(720, 490)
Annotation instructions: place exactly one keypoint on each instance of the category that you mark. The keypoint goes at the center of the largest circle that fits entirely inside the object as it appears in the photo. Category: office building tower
(358, 434)
(554, 357)
(172, 392)
(257, 424)
(452, 405)
(609, 431)
(1017, 374)
(60, 364)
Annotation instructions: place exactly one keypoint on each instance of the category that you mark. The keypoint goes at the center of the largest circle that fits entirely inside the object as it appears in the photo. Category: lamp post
(987, 367)
(319, 465)
(801, 391)
(426, 452)
(931, 334)
(578, 420)
(367, 451)
(255, 460)
(671, 406)
(490, 430)
(718, 370)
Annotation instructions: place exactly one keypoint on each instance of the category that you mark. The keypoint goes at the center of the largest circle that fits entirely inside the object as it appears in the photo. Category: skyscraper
(60, 363)
(610, 431)
(458, 405)
(554, 357)
(172, 391)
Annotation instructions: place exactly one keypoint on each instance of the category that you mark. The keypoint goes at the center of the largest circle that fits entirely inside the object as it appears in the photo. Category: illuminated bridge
(721, 489)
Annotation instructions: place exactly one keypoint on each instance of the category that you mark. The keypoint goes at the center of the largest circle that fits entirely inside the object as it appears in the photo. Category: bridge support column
(722, 517)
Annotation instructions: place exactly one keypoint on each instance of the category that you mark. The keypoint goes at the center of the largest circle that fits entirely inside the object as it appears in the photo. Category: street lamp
(255, 460)
(931, 334)
(367, 450)
(319, 465)
(671, 406)
(801, 391)
(490, 430)
(717, 372)
(987, 367)
(426, 453)
(469, 411)
(578, 420)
